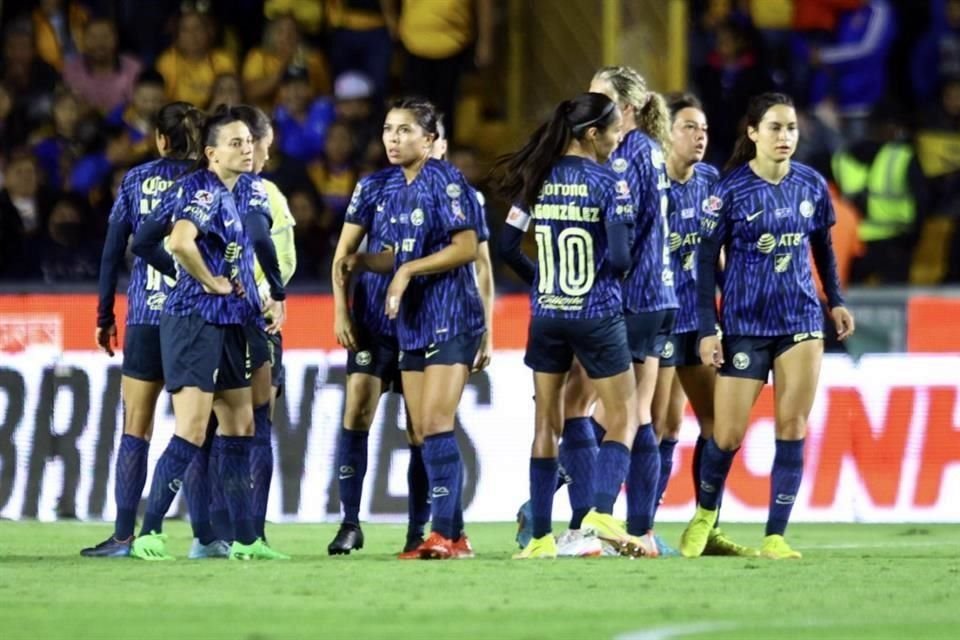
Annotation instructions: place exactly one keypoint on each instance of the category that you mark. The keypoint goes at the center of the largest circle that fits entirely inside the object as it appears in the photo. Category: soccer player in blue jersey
(682, 374)
(649, 296)
(767, 213)
(583, 221)
(202, 337)
(433, 231)
(177, 139)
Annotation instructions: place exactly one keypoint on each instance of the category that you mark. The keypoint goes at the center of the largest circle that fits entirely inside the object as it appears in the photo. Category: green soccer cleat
(152, 546)
(256, 550)
(544, 548)
(718, 544)
(695, 536)
(610, 531)
(776, 548)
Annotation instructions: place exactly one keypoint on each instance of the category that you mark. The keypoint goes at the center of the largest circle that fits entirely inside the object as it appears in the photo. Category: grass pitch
(855, 581)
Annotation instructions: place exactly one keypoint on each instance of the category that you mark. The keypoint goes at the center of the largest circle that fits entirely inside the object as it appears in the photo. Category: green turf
(855, 581)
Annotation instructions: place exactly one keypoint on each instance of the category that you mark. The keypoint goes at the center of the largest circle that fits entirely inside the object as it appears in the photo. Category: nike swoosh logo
(430, 354)
(755, 214)
(228, 223)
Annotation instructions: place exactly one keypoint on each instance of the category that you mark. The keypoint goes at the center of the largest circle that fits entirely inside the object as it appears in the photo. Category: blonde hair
(652, 115)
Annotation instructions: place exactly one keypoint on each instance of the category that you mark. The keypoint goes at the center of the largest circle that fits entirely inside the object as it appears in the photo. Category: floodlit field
(855, 581)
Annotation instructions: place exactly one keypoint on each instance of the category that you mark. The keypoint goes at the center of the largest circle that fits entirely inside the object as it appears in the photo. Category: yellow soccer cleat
(695, 536)
(610, 530)
(543, 548)
(718, 544)
(776, 548)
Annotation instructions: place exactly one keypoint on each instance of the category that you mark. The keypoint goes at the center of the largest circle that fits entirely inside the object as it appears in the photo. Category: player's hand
(344, 330)
(106, 338)
(843, 319)
(711, 351)
(276, 310)
(221, 286)
(395, 292)
(345, 268)
(484, 353)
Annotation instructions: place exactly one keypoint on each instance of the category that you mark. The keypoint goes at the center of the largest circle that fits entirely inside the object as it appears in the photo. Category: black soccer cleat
(109, 548)
(349, 538)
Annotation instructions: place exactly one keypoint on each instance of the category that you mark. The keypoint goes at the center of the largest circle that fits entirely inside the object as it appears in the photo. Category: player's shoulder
(602, 176)
(440, 175)
(735, 178)
(808, 175)
(376, 181)
(706, 172)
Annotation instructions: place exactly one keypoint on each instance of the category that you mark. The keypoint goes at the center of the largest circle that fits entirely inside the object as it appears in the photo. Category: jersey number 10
(574, 252)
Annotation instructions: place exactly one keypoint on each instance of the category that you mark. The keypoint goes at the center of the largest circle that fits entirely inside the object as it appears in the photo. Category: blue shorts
(377, 356)
(681, 350)
(600, 345)
(211, 357)
(275, 344)
(752, 356)
(258, 346)
(461, 349)
(141, 353)
(647, 332)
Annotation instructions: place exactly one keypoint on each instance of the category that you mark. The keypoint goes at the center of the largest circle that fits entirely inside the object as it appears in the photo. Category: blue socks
(441, 455)
(351, 469)
(219, 513)
(642, 481)
(578, 457)
(714, 467)
(418, 494)
(543, 482)
(196, 488)
(598, 431)
(131, 476)
(235, 476)
(613, 460)
(695, 466)
(784, 484)
(167, 478)
(261, 466)
(666, 468)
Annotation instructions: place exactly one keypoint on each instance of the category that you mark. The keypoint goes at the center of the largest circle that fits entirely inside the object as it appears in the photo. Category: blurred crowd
(82, 80)
(877, 83)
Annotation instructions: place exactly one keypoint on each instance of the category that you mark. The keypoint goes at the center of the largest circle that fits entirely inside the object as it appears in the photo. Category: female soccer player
(177, 139)
(433, 296)
(682, 375)
(583, 217)
(649, 298)
(767, 213)
(202, 337)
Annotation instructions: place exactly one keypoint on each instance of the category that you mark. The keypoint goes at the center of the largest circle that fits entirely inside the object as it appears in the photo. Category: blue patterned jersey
(366, 209)
(250, 196)
(686, 202)
(768, 287)
(649, 286)
(423, 217)
(577, 202)
(206, 202)
(140, 194)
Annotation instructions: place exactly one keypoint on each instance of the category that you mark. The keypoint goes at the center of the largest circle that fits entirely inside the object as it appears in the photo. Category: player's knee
(792, 428)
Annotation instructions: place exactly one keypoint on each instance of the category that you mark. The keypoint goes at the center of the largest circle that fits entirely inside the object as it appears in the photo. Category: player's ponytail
(650, 109)
(654, 119)
(256, 120)
(180, 123)
(519, 176)
(745, 149)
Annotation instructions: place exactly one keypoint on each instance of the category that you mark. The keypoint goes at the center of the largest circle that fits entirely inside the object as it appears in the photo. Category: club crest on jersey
(203, 197)
(712, 204)
(741, 361)
(416, 217)
(453, 190)
(363, 358)
(620, 165)
(806, 209)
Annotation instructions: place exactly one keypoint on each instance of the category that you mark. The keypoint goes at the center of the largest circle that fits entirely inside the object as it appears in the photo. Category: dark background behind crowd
(877, 83)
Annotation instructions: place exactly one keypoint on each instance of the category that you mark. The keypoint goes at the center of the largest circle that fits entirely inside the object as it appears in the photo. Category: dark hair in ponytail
(180, 124)
(256, 120)
(518, 176)
(745, 149)
(424, 112)
(222, 116)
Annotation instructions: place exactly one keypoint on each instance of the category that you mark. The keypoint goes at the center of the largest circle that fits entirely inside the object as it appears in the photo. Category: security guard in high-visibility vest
(887, 184)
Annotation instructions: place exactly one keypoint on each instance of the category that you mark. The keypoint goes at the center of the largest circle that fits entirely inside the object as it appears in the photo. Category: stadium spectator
(360, 41)
(265, 66)
(936, 57)
(442, 40)
(29, 79)
(353, 94)
(58, 28)
(314, 235)
(335, 174)
(98, 75)
(136, 118)
(23, 204)
(301, 120)
(307, 13)
(70, 253)
(227, 89)
(191, 65)
(58, 149)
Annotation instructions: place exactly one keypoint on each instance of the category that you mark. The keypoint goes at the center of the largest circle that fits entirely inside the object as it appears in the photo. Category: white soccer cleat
(573, 543)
